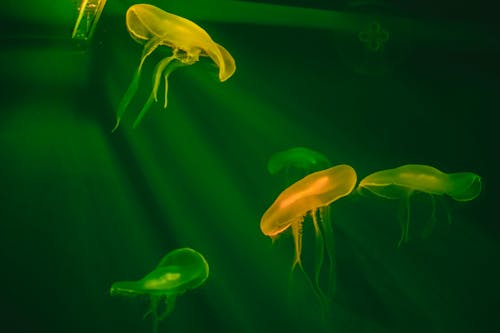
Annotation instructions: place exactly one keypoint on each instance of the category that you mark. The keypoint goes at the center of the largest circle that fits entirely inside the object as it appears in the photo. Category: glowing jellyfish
(401, 182)
(310, 195)
(152, 27)
(301, 158)
(178, 271)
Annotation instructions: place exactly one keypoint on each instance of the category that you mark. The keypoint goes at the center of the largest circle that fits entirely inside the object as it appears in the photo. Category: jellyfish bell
(299, 158)
(395, 183)
(152, 27)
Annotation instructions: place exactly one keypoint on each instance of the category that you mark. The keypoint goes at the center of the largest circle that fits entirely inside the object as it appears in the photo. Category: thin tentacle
(129, 94)
(319, 256)
(405, 223)
(330, 248)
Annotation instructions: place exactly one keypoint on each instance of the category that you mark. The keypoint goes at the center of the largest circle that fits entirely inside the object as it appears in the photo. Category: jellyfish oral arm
(297, 238)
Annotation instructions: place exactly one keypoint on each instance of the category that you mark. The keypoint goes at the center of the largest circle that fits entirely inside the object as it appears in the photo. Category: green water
(82, 207)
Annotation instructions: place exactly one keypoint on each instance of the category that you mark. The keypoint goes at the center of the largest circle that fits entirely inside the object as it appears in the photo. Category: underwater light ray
(255, 115)
(232, 220)
(164, 179)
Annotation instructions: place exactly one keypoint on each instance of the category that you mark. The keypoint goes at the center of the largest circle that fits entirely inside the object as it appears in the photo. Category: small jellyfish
(178, 271)
(300, 158)
(401, 182)
(310, 195)
(374, 37)
(151, 26)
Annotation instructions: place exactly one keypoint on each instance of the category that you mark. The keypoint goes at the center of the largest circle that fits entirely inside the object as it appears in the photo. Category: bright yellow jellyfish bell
(152, 27)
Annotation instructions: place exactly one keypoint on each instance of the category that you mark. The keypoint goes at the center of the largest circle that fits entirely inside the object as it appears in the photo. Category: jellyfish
(374, 37)
(295, 163)
(400, 183)
(152, 27)
(310, 195)
(300, 158)
(177, 272)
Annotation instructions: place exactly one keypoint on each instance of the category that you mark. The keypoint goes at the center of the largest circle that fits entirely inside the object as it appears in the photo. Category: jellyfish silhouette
(310, 195)
(153, 27)
(376, 43)
(400, 183)
(301, 159)
(177, 272)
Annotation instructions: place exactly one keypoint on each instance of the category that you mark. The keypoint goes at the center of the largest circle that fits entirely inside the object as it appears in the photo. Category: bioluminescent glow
(152, 27)
(177, 272)
(312, 194)
(400, 183)
(299, 158)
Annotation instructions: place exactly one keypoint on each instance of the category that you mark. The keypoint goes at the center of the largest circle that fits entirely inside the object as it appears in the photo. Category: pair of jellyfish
(152, 27)
(313, 194)
(177, 272)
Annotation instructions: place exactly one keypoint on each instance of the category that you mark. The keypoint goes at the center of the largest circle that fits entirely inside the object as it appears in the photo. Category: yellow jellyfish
(152, 27)
(310, 195)
(400, 183)
(177, 272)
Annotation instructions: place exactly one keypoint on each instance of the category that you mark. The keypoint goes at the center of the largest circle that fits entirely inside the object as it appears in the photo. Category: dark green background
(82, 207)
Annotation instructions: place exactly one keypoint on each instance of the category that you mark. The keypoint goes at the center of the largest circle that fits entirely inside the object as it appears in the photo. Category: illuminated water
(82, 207)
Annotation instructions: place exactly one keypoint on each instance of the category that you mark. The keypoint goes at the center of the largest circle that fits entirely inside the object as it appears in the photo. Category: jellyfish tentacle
(330, 248)
(144, 109)
(134, 85)
(319, 257)
(297, 238)
(169, 306)
(149, 48)
(160, 67)
(405, 222)
(432, 220)
(166, 74)
(129, 94)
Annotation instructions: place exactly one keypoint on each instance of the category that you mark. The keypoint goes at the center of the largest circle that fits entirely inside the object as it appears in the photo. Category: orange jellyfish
(310, 195)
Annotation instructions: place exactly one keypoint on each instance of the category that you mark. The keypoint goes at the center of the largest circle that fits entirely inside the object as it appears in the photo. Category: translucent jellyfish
(152, 27)
(374, 37)
(178, 271)
(300, 158)
(310, 195)
(400, 183)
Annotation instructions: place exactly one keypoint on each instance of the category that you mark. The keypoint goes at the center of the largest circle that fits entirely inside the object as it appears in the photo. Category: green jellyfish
(177, 272)
(299, 158)
(152, 27)
(400, 183)
(374, 37)
(310, 195)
